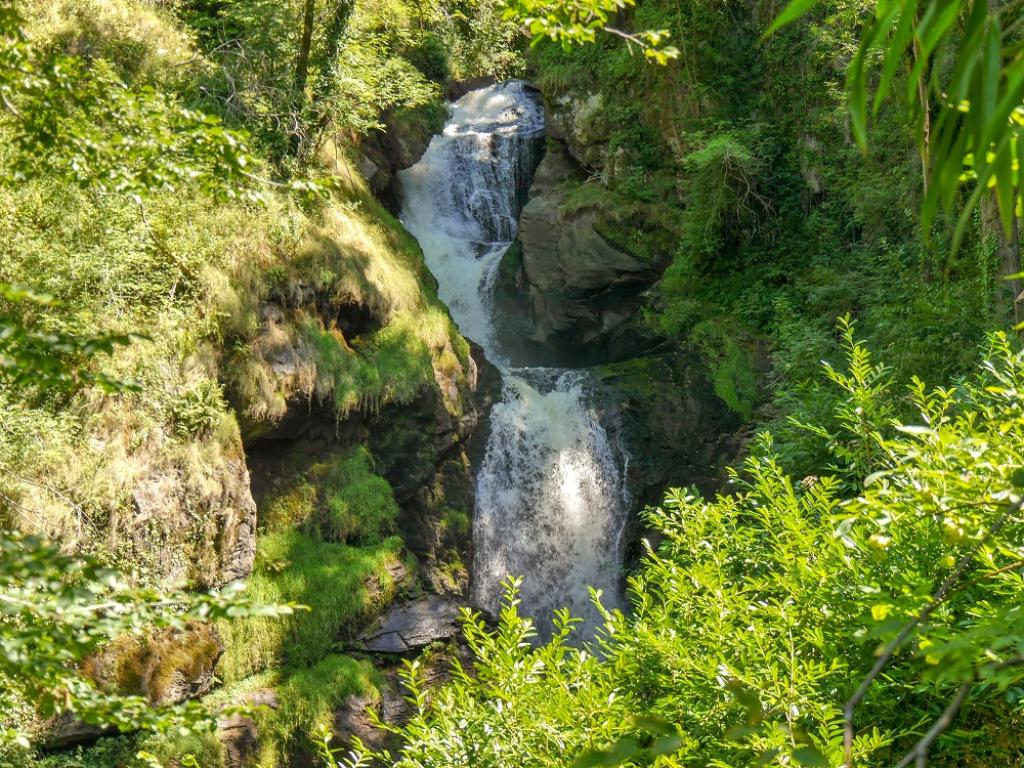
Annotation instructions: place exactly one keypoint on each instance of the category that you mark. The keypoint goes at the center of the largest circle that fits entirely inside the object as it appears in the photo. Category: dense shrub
(762, 610)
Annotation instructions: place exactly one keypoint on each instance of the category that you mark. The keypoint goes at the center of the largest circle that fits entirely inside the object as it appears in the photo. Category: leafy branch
(52, 360)
(570, 22)
(890, 649)
(57, 609)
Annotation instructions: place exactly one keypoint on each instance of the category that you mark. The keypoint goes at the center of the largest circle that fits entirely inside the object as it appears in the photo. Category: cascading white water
(550, 501)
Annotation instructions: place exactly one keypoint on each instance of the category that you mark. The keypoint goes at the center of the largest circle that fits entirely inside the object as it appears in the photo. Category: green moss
(148, 665)
(338, 497)
(295, 506)
(644, 226)
(361, 506)
(456, 522)
(306, 699)
(343, 587)
(393, 365)
(733, 374)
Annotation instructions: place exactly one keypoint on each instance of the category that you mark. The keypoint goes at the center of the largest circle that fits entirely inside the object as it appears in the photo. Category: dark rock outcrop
(674, 427)
(420, 448)
(411, 626)
(397, 146)
(238, 733)
(392, 707)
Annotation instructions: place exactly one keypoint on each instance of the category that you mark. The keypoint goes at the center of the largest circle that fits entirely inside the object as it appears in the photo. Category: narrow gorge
(551, 499)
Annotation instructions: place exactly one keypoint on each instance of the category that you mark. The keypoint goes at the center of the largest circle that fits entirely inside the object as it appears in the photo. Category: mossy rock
(675, 428)
(736, 363)
(164, 667)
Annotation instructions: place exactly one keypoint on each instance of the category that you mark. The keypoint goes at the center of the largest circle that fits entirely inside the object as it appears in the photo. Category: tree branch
(919, 753)
(894, 645)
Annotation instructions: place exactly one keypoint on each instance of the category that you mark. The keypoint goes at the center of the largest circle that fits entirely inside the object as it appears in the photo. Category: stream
(551, 503)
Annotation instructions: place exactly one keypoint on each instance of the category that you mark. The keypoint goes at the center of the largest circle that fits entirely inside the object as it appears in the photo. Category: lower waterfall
(551, 503)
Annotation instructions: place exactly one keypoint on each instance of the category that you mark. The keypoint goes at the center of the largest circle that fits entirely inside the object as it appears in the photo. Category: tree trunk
(1007, 248)
(319, 114)
(302, 72)
(1009, 264)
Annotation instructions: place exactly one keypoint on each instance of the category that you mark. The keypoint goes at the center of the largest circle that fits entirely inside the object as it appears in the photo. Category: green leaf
(793, 11)
(810, 757)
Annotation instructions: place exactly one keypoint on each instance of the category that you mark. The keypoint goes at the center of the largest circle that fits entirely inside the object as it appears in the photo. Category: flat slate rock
(411, 625)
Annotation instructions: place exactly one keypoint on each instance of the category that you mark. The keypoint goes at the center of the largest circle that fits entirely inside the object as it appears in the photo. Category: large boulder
(580, 122)
(664, 410)
(564, 289)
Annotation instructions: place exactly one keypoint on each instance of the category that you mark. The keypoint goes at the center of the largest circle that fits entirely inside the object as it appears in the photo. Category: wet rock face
(677, 431)
(420, 448)
(564, 290)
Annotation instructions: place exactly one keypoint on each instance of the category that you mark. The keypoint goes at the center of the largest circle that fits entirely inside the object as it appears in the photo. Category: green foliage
(765, 612)
(724, 205)
(107, 753)
(732, 370)
(517, 705)
(307, 699)
(481, 41)
(862, 410)
(49, 361)
(56, 610)
(198, 409)
(965, 90)
(338, 498)
(293, 90)
(430, 57)
(71, 119)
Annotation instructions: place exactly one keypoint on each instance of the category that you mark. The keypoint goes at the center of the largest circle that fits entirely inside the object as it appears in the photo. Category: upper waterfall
(462, 199)
(550, 501)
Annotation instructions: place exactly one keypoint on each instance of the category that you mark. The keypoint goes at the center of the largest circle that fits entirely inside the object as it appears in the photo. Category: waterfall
(550, 498)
